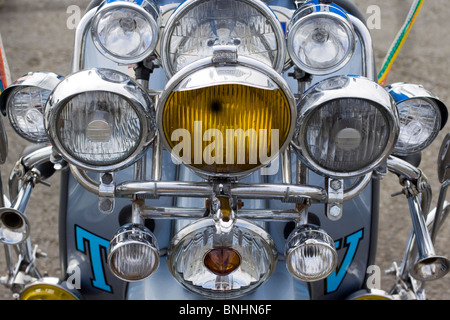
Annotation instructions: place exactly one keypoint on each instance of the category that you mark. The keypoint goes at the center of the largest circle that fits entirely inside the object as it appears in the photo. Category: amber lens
(222, 261)
(229, 128)
(46, 292)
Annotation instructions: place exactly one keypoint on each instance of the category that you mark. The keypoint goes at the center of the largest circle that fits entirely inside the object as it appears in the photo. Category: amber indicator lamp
(222, 261)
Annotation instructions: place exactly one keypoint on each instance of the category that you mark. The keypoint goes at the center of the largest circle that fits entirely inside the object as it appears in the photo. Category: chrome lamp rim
(242, 62)
(147, 8)
(319, 11)
(92, 80)
(402, 91)
(185, 6)
(356, 87)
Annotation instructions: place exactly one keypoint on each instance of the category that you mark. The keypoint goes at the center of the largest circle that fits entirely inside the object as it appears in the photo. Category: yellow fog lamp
(310, 253)
(347, 126)
(224, 117)
(49, 288)
(370, 294)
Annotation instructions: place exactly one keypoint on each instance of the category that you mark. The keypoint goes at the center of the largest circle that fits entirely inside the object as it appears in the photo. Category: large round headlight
(100, 119)
(321, 38)
(198, 26)
(126, 31)
(422, 115)
(24, 104)
(222, 266)
(226, 120)
(347, 126)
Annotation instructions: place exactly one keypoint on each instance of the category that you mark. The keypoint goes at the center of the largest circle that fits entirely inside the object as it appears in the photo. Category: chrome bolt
(335, 211)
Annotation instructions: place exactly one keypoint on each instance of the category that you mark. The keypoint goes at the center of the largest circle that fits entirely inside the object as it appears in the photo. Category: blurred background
(38, 36)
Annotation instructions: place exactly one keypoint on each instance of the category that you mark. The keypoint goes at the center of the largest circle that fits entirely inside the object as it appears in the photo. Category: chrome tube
(24, 164)
(197, 213)
(367, 46)
(403, 168)
(84, 180)
(287, 193)
(204, 190)
(440, 214)
(78, 51)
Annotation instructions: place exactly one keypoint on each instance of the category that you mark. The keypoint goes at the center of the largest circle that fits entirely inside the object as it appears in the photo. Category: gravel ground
(36, 37)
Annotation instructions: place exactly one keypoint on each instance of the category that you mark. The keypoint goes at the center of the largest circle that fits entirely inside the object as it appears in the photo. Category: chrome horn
(429, 266)
(14, 226)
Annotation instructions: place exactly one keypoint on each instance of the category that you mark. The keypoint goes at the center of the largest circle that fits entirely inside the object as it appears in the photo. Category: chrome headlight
(133, 253)
(226, 119)
(320, 39)
(126, 31)
(24, 103)
(422, 116)
(310, 253)
(347, 126)
(100, 119)
(222, 266)
(198, 26)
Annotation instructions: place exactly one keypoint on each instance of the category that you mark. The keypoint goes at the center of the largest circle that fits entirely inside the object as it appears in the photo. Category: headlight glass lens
(346, 134)
(420, 123)
(346, 126)
(99, 128)
(26, 107)
(125, 32)
(100, 120)
(196, 27)
(320, 42)
(222, 266)
(226, 127)
(310, 254)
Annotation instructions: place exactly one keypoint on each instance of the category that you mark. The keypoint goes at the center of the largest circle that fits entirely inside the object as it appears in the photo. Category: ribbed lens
(134, 261)
(232, 128)
(310, 254)
(99, 128)
(196, 30)
(420, 123)
(26, 112)
(133, 253)
(346, 135)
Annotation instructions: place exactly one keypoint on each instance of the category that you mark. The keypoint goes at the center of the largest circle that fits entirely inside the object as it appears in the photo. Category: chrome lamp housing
(198, 26)
(422, 115)
(222, 265)
(133, 253)
(346, 126)
(24, 104)
(320, 39)
(126, 31)
(100, 120)
(226, 116)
